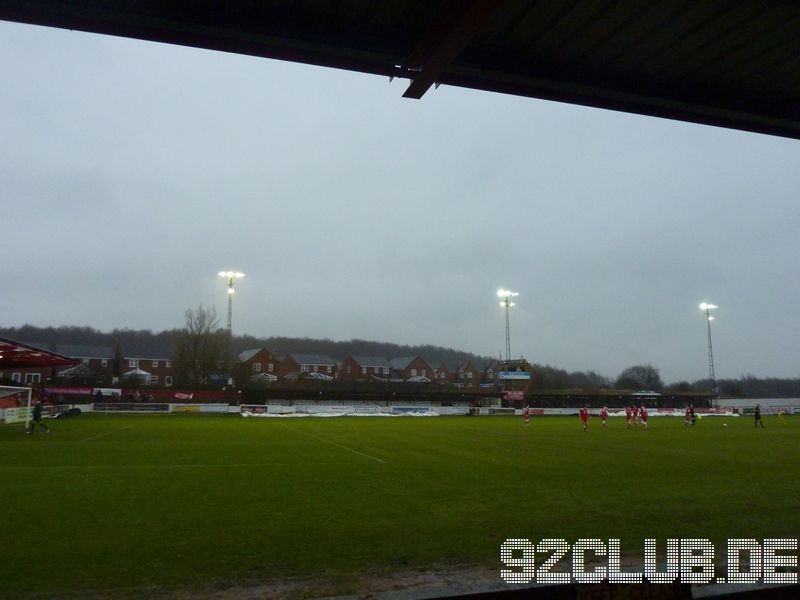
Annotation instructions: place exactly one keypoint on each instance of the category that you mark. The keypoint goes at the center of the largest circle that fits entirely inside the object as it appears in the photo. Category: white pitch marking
(172, 466)
(94, 437)
(332, 443)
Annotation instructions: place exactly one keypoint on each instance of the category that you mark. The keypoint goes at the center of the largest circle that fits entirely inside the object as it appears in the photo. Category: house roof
(153, 354)
(371, 361)
(78, 370)
(730, 64)
(246, 355)
(490, 364)
(134, 350)
(313, 359)
(450, 365)
(83, 351)
(401, 362)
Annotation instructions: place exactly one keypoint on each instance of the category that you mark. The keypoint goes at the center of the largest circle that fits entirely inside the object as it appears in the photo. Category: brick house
(490, 370)
(293, 365)
(354, 368)
(258, 360)
(411, 366)
(467, 376)
(158, 364)
(445, 373)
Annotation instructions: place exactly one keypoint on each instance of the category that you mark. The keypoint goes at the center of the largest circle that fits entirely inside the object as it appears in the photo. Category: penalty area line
(94, 437)
(332, 443)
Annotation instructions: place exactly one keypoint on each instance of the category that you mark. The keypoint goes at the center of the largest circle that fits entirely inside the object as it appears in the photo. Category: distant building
(445, 372)
(294, 365)
(467, 376)
(365, 367)
(512, 374)
(259, 360)
(152, 367)
(411, 367)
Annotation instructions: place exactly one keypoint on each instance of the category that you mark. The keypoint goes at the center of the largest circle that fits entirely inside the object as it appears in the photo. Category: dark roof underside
(16, 355)
(733, 63)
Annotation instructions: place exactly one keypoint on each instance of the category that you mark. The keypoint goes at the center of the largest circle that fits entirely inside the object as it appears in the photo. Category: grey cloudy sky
(132, 172)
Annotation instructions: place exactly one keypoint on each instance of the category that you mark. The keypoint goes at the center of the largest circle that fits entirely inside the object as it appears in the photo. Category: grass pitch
(189, 501)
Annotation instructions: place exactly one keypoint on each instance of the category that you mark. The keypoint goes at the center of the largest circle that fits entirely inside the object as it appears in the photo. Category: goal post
(16, 414)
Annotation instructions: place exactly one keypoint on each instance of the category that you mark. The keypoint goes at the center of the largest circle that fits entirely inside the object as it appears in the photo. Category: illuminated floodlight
(707, 307)
(506, 303)
(231, 276)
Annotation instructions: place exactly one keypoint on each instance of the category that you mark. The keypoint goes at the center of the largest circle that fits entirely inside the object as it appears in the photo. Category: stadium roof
(16, 355)
(719, 62)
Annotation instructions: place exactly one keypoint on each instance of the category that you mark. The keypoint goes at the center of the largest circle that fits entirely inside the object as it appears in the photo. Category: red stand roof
(16, 355)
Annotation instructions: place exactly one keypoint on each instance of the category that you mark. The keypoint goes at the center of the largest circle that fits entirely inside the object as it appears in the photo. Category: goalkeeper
(757, 415)
(37, 418)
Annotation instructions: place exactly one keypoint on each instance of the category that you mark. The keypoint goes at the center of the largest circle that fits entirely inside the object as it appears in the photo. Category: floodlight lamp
(710, 318)
(706, 306)
(231, 290)
(230, 274)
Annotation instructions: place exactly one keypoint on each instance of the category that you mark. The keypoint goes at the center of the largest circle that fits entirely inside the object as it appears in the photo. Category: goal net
(15, 404)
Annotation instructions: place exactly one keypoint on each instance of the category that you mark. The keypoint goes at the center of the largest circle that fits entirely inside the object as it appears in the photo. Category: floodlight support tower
(706, 308)
(231, 276)
(507, 304)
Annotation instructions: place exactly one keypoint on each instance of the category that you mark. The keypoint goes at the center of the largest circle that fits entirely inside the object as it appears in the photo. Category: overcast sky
(132, 172)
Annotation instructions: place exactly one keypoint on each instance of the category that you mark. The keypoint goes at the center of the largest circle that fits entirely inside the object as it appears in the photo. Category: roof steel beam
(445, 41)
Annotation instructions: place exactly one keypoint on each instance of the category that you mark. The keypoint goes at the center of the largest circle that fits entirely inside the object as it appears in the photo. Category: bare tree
(639, 377)
(201, 349)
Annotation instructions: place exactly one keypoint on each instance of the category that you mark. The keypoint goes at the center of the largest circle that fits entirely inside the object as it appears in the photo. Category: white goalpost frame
(18, 390)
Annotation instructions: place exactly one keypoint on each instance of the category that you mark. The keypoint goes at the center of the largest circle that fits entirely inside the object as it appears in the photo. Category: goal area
(15, 404)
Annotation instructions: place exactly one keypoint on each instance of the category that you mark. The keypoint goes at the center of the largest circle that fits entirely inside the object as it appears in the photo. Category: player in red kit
(526, 415)
(584, 413)
(604, 415)
(643, 415)
(635, 415)
(629, 415)
(687, 416)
